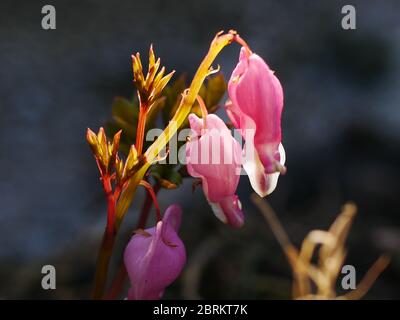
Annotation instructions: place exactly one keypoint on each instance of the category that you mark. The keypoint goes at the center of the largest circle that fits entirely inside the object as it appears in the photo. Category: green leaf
(166, 175)
(174, 177)
(125, 115)
(125, 142)
(216, 87)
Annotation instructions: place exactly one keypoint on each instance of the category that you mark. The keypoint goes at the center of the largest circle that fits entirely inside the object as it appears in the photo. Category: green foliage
(125, 115)
(213, 92)
(166, 175)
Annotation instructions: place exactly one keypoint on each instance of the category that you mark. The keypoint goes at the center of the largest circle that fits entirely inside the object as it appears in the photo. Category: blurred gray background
(341, 131)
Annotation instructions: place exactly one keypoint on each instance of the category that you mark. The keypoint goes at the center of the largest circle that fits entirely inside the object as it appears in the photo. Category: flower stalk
(141, 128)
(203, 108)
(107, 244)
(130, 175)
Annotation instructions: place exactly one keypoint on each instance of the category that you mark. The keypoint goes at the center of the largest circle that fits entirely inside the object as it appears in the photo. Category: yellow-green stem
(219, 42)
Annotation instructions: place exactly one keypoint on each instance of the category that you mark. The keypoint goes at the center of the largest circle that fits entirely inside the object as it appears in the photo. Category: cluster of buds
(109, 162)
(149, 88)
(104, 151)
(124, 170)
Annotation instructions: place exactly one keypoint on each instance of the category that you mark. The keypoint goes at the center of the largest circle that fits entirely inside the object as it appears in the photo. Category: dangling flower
(155, 257)
(255, 109)
(213, 155)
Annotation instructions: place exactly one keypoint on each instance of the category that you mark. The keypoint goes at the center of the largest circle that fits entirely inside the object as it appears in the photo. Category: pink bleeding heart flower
(214, 156)
(155, 257)
(255, 108)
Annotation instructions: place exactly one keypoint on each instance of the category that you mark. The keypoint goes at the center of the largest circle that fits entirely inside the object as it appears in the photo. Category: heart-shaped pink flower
(155, 257)
(255, 108)
(214, 156)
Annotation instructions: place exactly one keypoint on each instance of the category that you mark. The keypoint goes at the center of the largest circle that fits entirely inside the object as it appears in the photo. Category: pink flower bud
(214, 156)
(255, 109)
(155, 257)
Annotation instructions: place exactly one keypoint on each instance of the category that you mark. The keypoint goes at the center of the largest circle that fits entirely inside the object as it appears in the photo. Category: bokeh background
(341, 130)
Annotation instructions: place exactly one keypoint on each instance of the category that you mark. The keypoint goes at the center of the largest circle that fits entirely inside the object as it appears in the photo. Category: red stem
(107, 244)
(118, 283)
(203, 109)
(153, 198)
(140, 128)
(243, 43)
(110, 205)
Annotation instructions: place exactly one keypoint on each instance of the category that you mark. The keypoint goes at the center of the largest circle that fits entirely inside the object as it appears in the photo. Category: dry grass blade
(369, 279)
(331, 256)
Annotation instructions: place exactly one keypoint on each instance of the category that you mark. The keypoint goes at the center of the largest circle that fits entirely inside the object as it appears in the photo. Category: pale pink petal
(155, 260)
(263, 183)
(256, 107)
(214, 156)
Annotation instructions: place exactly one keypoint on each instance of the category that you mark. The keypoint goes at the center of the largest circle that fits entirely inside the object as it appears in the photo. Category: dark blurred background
(341, 131)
